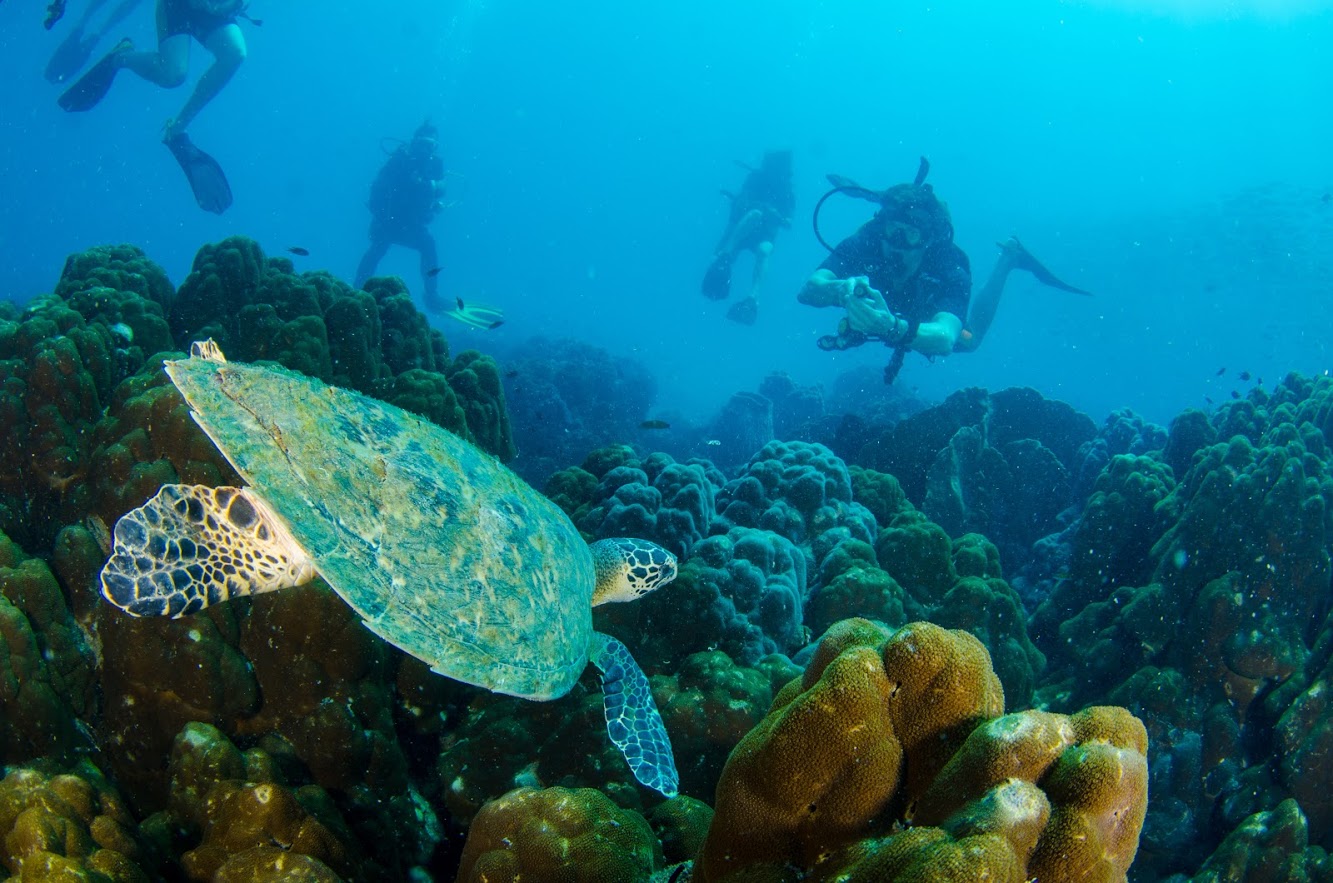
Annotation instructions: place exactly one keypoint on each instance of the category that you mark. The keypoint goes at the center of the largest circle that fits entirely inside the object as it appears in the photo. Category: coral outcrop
(884, 730)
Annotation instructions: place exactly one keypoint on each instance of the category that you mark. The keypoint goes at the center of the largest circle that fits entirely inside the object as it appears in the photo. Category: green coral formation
(257, 308)
(958, 584)
(47, 678)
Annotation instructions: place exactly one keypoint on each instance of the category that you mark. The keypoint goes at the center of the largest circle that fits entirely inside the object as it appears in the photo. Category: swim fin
(1024, 260)
(55, 11)
(744, 311)
(70, 56)
(89, 89)
(205, 175)
(480, 316)
(717, 280)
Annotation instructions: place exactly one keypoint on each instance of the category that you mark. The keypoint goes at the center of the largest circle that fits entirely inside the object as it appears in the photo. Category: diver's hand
(868, 313)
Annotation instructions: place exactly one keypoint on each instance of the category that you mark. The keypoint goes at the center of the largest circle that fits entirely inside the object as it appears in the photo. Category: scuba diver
(904, 282)
(405, 197)
(762, 208)
(215, 24)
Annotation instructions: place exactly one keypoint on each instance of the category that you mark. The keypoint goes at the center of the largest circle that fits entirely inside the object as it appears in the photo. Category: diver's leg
(227, 44)
(379, 247)
(762, 253)
(420, 240)
(742, 230)
(167, 66)
(986, 302)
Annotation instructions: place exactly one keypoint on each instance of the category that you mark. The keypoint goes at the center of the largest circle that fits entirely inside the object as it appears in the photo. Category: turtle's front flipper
(632, 718)
(191, 546)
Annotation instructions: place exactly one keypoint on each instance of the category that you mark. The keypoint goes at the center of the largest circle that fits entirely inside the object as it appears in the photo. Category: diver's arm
(868, 313)
(938, 336)
(823, 289)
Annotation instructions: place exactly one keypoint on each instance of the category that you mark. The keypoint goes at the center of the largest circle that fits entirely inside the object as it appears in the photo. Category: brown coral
(884, 731)
(575, 835)
(811, 776)
(73, 826)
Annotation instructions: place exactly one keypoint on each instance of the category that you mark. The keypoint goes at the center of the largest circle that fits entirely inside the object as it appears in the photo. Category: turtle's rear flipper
(632, 718)
(191, 546)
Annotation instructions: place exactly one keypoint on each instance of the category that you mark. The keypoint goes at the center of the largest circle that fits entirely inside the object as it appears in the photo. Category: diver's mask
(423, 146)
(903, 245)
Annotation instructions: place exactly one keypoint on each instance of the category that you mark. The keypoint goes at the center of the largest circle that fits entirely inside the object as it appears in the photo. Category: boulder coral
(374, 341)
(656, 498)
(796, 490)
(47, 666)
(885, 730)
(571, 834)
(57, 372)
(69, 825)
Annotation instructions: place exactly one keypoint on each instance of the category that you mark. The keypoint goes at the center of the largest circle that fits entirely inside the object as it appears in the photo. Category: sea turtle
(439, 548)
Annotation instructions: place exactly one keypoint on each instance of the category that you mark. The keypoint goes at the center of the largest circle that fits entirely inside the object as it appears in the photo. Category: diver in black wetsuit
(404, 199)
(214, 23)
(904, 282)
(762, 208)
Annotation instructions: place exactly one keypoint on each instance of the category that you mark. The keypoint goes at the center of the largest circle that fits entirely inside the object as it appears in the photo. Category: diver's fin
(1023, 260)
(922, 170)
(89, 89)
(479, 316)
(851, 188)
(744, 311)
(70, 56)
(55, 11)
(205, 175)
(632, 718)
(717, 279)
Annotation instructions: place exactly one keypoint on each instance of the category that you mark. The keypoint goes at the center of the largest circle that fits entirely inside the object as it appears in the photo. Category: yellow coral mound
(575, 835)
(890, 760)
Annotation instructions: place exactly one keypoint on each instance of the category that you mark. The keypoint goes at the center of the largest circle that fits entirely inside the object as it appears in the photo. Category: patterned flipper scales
(632, 718)
(191, 546)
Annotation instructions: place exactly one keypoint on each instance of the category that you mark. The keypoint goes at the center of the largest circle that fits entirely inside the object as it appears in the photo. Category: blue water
(1171, 157)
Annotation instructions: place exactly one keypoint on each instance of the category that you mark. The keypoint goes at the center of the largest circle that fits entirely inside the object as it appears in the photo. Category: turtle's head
(628, 569)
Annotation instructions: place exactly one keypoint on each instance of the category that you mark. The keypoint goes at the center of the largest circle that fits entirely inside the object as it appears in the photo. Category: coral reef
(568, 398)
(1000, 464)
(1112, 586)
(741, 428)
